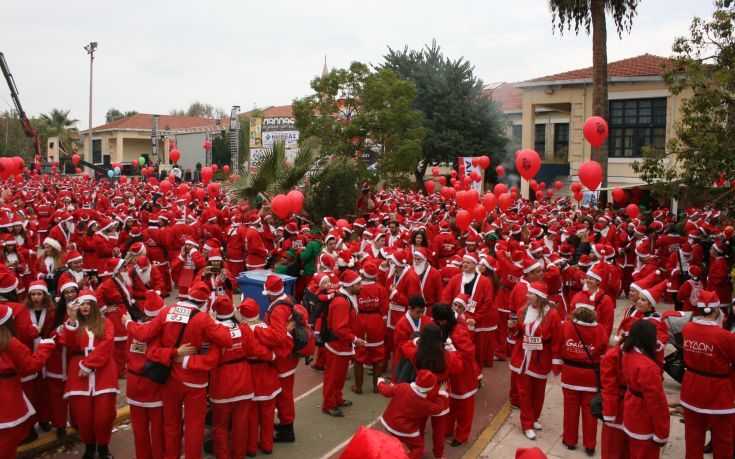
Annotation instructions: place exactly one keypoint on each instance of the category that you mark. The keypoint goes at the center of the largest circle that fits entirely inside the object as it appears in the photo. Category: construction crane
(26, 123)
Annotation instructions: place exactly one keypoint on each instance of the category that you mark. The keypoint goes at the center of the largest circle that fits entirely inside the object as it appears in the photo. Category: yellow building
(643, 112)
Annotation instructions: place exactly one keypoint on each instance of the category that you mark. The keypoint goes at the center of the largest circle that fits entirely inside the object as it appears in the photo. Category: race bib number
(532, 343)
(138, 347)
(235, 331)
(178, 314)
(471, 306)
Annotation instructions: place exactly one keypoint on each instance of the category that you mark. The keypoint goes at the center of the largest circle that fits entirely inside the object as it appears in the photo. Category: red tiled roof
(142, 121)
(272, 112)
(508, 96)
(644, 65)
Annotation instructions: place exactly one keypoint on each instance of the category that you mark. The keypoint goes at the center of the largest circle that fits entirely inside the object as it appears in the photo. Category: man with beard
(144, 276)
(114, 298)
(430, 278)
(63, 231)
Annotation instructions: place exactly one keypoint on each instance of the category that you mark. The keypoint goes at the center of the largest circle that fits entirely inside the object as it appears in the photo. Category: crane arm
(24, 121)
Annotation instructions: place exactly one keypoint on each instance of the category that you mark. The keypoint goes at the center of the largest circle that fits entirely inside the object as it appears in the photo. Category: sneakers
(345, 404)
(285, 434)
(537, 426)
(335, 413)
(590, 451)
(530, 434)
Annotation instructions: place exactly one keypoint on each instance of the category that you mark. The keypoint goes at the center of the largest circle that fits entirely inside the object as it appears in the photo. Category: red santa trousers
(643, 449)
(438, 433)
(485, 348)
(37, 393)
(230, 428)
(284, 400)
(321, 357)
(194, 400)
(614, 443)
(696, 426)
(531, 392)
(335, 374)
(260, 415)
(58, 406)
(120, 357)
(10, 438)
(95, 416)
(165, 271)
(148, 431)
(415, 446)
(459, 419)
(574, 402)
(501, 335)
(513, 391)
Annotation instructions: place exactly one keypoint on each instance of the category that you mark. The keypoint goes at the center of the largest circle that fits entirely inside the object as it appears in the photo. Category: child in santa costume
(706, 391)
(16, 360)
(410, 404)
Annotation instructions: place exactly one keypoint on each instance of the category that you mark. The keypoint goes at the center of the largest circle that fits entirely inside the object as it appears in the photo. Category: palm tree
(58, 124)
(591, 13)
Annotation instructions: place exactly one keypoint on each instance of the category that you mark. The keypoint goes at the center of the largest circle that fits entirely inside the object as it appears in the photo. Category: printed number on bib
(471, 306)
(235, 331)
(138, 348)
(532, 343)
(178, 314)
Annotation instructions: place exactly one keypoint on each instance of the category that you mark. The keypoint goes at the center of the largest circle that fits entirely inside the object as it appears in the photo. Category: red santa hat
(455, 261)
(360, 222)
(249, 309)
(694, 271)
(135, 231)
(273, 285)
(643, 250)
(369, 270)
(472, 257)
(708, 300)
(398, 257)
(539, 289)
(190, 240)
(212, 244)
(422, 253)
(199, 292)
(5, 313)
(424, 383)
(38, 285)
(330, 222)
(87, 295)
(8, 282)
(600, 250)
(530, 453)
(214, 255)
(653, 294)
(646, 282)
(53, 243)
(142, 262)
(516, 257)
(462, 299)
(113, 266)
(344, 259)
(537, 246)
(70, 284)
(153, 303)
(223, 307)
(137, 248)
(73, 256)
(719, 247)
(350, 278)
(584, 260)
(529, 264)
(597, 272)
(326, 261)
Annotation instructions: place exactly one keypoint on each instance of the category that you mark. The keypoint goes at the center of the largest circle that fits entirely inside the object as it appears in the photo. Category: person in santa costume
(430, 278)
(614, 441)
(50, 262)
(444, 244)
(338, 333)
(410, 405)
(16, 260)
(649, 293)
(157, 249)
(16, 360)
(706, 391)
(185, 267)
(645, 412)
(255, 250)
(145, 277)
(584, 343)
(689, 290)
(537, 353)
(74, 272)
(25, 331)
(372, 311)
(402, 283)
(91, 385)
(63, 231)
(106, 243)
(718, 278)
(594, 297)
(115, 298)
(187, 385)
(233, 239)
(219, 279)
(408, 327)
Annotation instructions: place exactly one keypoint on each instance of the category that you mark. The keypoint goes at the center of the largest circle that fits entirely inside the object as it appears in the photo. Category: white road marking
(337, 448)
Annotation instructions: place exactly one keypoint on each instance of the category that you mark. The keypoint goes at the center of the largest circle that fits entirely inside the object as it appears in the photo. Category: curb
(48, 440)
(488, 433)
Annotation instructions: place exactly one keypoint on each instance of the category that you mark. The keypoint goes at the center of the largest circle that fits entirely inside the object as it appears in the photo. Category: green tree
(590, 14)
(199, 109)
(342, 177)
(457, 118)
(701, 155)
(356, 110)
(57, 123)
(114, 114)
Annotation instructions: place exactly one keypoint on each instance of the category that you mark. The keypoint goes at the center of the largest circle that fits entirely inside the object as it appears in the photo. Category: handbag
(158, 372)
(596, 401)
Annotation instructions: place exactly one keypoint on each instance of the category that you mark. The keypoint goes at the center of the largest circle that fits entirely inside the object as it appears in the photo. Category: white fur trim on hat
(460, 301)
(38, 287)
(68, 285)
(418, 388)
(53, 243)
(702, 304)
(87, 298)
(350, 284)
(584, 305)
(153, 313)
(591, 274)
(537, 292)
(7, 316)
(11, 288)
(648, 296)
(535, 265)
(266, 292)
(215, 258)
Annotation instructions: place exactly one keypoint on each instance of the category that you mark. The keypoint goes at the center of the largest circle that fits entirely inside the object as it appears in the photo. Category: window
(517, 133)
(636, 123)
(96, 151)
(540, 140)
(561, 140)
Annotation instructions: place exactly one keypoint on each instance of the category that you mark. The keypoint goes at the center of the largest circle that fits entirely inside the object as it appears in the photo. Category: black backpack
(302, 334)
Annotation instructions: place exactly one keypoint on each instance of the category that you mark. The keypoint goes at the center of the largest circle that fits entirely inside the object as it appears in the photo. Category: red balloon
(484, 162)
(578, 196)
(632, 210)
(558, 185)
(539, 195)
(136, 180)
(232, 178)
(576, 187)
(78, 171)
(550, 193)
(474, 176)
(199, 194)
(490, 201)
(175, 155)
(542, 186)
(453, 173)
(226, 168)
(123, 179)
(463, 219)
(85, 176)
(435, 171)
(475, 162)
(207, 174)
(442, 180)
(281, 206)
(447, 193)
(513, 195)
(172, 178)
(618, 194)
(460, 199)
(75, 159)
(296, 200)
(182, 189)
(215, 168)
(7, 167)
(35, 171)
(528, 164)
(499, 189)
(38, 157)
(38, 165)
(429, 185)
(500, 170)
(207, 145)
(595, 131)
(152, 181)
(213, 189)
(19, 163)
(479, 212)
(165, 186)
(533, 185)
(473, 197)
(136, 163)
(590, 174)
(504, 202)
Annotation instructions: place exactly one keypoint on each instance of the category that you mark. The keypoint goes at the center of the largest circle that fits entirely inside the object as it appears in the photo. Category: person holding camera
(115, 299)
(216, 276)
(184, 268)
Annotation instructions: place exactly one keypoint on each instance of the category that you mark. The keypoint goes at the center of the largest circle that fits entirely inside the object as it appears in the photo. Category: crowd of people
(399, 292)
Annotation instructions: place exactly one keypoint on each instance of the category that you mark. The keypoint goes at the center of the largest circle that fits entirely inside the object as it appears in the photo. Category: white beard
(419, 268)
(77, 275)
(125, 277)
(531, 315)
(69, 227)
(145, 276)
(467, 278)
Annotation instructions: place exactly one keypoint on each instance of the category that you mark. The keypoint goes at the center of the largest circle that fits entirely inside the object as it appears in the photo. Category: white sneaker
(530, 434)
(537, 426)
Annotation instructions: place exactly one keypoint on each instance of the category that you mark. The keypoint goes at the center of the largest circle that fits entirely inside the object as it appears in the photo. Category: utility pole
(234, 132)
(90, 48)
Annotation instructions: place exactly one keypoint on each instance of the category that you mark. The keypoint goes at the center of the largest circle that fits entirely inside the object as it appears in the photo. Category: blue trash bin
(252, 283)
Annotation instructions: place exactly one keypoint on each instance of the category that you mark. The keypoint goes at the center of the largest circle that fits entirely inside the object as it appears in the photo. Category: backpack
(325, 333)
(313, 305)
(302, 334)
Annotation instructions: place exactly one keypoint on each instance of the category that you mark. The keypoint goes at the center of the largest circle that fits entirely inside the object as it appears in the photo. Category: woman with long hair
(16, 359)
(50, 263)
(91, 385)
(645, 412)
(16, 259)
(537, 352)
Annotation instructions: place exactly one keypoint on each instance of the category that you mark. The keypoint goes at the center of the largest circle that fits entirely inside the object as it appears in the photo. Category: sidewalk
(510, 436)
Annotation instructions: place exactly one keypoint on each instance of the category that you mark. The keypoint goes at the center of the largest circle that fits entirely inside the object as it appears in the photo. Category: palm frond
(292, 176)
(268, 169)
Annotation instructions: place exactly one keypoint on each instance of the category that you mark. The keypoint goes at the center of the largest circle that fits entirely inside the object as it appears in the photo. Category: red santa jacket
(431, 284)
(93, 355)
(509, 274)
(61, 235)
(464, 384)
(448, 272)
(155, 282)
(401, 287)
(613, 387)
(265, 377)
(234, 241)
(480, 305)
(372, 308)
(277, 318)
(409, 407)
(110, 299)
(601, 303)
(139, 390)
(341, 320)
(718, 280)
(578, 371)
(688, 293)
(193, 262)
(405, 329)
(43, 321)
(255, 250)
(538, 344)
(709, 354)
(17, 360)
(646, 412)
(632, 315)
(444, 245)
(24, 329)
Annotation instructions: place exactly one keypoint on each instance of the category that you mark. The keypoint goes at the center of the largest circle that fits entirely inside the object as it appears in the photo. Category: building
(127, 139)
(553, 108)
(269, 125)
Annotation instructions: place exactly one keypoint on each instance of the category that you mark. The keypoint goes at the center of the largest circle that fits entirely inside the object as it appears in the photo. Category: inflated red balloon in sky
(429, 185)
(528, 164)
(504, 202)
(296, 200)
(207, 174)
(632, 210)
(590, 174)
(226, 168)
(618, 194)
(484, 162)
(595, 131)
(174, 155)
(500, 170)
(576, 187)
(435, 171)
(463, 219)
(442, 180)
(558, 185)
(490, 201)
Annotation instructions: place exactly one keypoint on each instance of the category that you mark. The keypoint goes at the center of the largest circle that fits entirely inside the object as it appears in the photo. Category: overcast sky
(157, 55)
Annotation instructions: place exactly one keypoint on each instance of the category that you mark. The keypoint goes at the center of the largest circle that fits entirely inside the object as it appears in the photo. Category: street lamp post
(90, 48)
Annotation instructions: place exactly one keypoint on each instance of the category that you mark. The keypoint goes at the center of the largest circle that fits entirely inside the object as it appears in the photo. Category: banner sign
(466, 161)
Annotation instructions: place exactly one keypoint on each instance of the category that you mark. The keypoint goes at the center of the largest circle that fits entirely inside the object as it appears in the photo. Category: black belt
(708, 375)
(635, 392)
(576, 364)
(78, 353)
(8, 375)
(241, 359)
(255, 362)
(368, 312)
